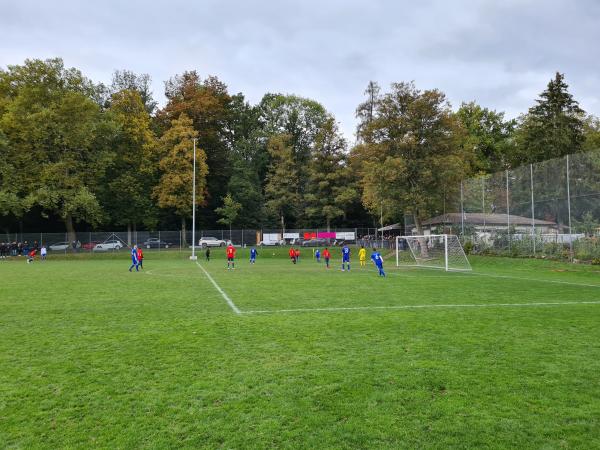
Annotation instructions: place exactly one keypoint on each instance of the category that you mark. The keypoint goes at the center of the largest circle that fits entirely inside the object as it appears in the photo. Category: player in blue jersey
(318, 255)
(345, 258)
(253, 254)
(134, 259)
(378, 261)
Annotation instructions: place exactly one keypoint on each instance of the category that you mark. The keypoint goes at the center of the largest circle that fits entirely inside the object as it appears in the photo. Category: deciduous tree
(174, 189)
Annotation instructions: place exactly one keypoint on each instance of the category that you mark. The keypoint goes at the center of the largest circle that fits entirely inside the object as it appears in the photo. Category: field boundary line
(491, 275)
(431, 306)
(569, 283)
(221, 291)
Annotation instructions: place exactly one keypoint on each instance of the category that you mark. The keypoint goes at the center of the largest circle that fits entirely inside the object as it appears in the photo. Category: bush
(468, 247)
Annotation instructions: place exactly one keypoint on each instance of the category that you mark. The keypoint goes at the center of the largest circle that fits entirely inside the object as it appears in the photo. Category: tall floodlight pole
(194, 257)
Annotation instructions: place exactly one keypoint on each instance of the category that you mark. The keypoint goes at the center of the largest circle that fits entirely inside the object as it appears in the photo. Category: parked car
(108, 245)
(59, 246)
(89, 245)
(271, 243)
(156, 243)
(209, 241)
(320, 242)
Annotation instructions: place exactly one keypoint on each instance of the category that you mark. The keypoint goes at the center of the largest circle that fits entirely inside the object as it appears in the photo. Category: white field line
(464, 305)
(509, 277)
(569, 283)
(221, 291)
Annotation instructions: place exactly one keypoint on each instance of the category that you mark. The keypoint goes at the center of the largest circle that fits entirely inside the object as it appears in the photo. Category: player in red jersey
(297, 254)
(326, 256)
(230, 256)
(292, 254)
(140, 255)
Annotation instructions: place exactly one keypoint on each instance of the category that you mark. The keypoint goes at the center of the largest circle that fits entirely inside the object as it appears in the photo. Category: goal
(436, 251)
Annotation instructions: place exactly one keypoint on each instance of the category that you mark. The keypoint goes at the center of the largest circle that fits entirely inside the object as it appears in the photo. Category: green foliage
(588, 224)
(174, 189)
(329, 190)
(554, 127)
(133, 174)
(281, 189)
(411, 152)
(207, 103)
(229, 211)
(59, 139)
(488, 135)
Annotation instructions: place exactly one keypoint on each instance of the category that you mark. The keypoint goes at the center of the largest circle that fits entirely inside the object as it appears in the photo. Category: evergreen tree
(554, 127)
(365, 113)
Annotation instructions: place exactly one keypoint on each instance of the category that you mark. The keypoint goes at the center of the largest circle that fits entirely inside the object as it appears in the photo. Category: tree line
(90, 155)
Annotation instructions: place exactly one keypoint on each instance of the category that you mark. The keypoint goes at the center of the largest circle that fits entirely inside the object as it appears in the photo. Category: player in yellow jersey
(362, 256)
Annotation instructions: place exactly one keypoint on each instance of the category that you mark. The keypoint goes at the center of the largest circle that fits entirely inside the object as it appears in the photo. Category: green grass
(92, 356)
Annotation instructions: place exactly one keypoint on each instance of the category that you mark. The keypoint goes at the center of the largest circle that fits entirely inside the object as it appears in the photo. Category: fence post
(159, 240)
(483, 201)
(532, 209)
(508, 211)
(569, 211)
(462, 212)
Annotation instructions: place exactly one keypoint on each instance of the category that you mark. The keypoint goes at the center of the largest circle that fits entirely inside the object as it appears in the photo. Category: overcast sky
(500, 53)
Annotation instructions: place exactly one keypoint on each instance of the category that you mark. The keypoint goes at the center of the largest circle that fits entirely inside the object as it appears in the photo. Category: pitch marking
(464, 305)
(221, 291)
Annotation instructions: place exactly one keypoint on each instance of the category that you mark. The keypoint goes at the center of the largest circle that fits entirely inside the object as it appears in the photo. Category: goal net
(437, 251)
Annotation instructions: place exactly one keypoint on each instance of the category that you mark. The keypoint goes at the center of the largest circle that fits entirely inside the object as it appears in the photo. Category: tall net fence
(549, 209)
(16, 244)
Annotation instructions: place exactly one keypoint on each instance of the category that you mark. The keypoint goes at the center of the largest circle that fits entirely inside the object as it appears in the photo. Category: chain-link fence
(14, 244)
(549, 209)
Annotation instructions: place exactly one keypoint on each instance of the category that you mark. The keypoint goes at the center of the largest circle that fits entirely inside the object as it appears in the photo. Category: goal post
(435, 251)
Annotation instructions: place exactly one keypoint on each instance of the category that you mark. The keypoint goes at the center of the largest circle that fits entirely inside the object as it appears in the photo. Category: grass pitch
(94, 356)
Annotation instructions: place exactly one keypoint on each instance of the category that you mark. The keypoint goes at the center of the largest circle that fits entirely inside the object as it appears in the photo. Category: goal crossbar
(434, 251)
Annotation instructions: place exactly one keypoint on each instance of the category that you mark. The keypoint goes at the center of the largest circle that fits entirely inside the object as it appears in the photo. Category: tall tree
(249, 160)
(489, 135)
(365, 112)
(126, 80)
(411, 153)
(132, 175)
(60, 139)
(554, 127)
(174, 189)
(281, 189)
(206, 103)
(300, 119)
(13, 194)
(329, 192)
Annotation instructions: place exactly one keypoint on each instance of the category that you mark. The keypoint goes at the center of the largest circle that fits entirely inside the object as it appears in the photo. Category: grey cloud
(500, 54)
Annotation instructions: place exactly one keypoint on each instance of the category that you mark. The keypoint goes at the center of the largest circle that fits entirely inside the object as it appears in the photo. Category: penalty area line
(400, 307)
(221, 291)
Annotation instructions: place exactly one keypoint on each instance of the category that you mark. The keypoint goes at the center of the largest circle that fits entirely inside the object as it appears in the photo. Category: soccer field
(277, 355)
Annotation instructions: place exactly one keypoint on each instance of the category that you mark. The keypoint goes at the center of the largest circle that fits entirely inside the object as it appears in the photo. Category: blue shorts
(346, 259)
